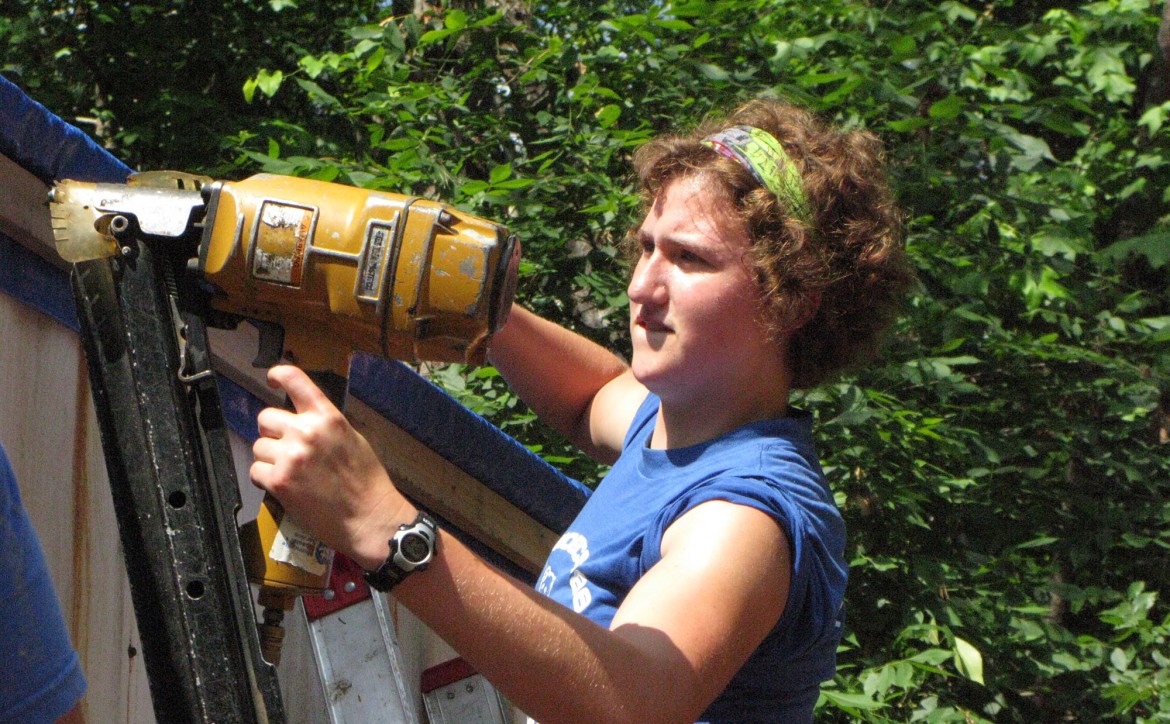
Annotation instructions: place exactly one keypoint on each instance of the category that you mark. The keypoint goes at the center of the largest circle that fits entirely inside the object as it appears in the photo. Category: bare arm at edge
(76, 715)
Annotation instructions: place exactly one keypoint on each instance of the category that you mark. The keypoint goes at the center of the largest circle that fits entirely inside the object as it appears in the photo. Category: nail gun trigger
(271, 344)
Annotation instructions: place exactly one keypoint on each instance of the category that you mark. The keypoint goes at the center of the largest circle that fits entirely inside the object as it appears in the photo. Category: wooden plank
(24, 211)
(108, 642)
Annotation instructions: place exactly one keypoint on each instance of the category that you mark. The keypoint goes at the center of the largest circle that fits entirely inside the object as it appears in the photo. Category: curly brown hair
(834, 285)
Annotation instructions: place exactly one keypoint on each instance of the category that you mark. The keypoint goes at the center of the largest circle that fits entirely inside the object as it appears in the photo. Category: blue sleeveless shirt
(770, 466)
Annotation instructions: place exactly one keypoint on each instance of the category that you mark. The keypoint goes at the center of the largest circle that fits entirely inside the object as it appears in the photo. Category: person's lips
(651, 324)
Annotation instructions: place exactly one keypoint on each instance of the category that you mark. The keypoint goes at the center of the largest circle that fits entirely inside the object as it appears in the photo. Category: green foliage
(1000, 472)
(160, 81)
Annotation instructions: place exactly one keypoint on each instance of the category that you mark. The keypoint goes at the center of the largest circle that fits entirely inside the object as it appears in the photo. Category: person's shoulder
(618, 405)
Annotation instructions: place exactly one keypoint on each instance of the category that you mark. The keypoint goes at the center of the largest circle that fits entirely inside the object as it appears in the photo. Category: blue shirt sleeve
(805, 637)
(816, 588)
(41, 677)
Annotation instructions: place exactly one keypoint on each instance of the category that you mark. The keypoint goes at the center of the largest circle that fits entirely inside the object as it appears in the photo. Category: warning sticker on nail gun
(296, 547)
(280, 242)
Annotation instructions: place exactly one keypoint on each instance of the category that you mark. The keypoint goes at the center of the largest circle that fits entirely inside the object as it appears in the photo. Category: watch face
(414, 548)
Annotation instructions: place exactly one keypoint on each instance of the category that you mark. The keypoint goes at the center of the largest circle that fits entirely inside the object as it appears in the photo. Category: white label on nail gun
(378, 238)
(296, 547)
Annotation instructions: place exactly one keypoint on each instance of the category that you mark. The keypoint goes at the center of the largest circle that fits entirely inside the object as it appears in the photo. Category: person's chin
(648, 372)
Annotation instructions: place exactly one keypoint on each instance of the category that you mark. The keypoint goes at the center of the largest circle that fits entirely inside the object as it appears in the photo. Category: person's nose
(648, 283)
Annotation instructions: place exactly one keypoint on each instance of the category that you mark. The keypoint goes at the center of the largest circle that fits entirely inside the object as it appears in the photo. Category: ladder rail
(356, 651)
(455, 693)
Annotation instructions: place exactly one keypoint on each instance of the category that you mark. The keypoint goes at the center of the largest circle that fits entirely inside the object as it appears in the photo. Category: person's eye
(689, 257)
(647, 245)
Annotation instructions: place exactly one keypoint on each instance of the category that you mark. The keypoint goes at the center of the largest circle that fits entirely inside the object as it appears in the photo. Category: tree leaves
(968, 660)
(266, 81)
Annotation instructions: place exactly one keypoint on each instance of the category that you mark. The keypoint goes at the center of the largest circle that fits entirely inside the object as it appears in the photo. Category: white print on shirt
(576, 546)
(547, 581)
(581, 595)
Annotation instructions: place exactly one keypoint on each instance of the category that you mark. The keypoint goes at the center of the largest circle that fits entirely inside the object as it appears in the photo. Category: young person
(704, 578)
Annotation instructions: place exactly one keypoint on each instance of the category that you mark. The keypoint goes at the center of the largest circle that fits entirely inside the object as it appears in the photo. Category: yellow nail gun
(326, 269)
(323, 270)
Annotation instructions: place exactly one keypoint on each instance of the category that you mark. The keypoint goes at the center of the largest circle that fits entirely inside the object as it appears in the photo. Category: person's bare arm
(720, 587)
(76, 715)
(676, 641)
(561, 376)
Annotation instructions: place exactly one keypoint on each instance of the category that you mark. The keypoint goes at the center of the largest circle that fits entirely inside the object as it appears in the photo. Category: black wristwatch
(411, 550)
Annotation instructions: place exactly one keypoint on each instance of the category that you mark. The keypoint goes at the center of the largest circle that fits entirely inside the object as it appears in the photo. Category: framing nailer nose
(323, 270)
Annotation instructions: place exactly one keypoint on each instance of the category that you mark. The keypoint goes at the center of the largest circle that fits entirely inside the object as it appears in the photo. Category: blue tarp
(48, 147)
(51, 149)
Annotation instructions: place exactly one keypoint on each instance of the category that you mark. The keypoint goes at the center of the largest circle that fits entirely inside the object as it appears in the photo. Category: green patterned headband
(761, 154)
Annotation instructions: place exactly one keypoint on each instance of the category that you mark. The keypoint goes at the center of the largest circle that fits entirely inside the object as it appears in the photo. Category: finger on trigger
(301, 390)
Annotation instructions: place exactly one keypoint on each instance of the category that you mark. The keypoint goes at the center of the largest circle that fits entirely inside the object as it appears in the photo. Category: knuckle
(298, 456)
